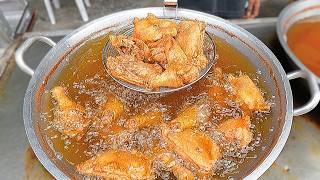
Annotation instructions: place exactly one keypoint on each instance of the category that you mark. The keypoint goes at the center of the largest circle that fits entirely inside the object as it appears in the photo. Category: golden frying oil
(87, 83)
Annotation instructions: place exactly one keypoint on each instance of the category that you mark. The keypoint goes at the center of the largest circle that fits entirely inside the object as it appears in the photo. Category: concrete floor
(68, 16)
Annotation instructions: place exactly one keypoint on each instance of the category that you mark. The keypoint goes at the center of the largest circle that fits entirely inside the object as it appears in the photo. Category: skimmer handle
(170, 4)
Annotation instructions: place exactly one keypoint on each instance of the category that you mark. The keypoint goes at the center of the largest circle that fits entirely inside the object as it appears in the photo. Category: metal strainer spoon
(109, 50)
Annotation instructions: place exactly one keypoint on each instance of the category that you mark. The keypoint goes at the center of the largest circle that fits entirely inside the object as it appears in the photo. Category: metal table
(300, 158)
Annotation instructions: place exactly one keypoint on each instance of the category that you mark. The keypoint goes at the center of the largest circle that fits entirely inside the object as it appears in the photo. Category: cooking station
(300, 158)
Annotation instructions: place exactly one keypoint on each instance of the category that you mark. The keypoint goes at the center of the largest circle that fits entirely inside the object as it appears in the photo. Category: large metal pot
(257, 53)
(291, 14)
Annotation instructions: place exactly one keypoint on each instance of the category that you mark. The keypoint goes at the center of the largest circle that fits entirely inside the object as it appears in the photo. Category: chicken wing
(116, 164)
(247, 93)
(237, 130)
(182, 173)
(130, 46)
(178, 70)
(69, 117)
(127, 68)
(110, 111)
(144, 120)
(193, 146)
(190, 37)
(166, 79)
(219, 95)
(191, 116)
(151, 28)
(168, 160)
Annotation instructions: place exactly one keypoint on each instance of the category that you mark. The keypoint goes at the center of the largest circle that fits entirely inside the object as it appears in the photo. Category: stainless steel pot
(257, 53)
(291, 14)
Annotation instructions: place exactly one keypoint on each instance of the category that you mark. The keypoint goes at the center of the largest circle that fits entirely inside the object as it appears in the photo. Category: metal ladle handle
(314, 91)
(24, 47)
(170, 4)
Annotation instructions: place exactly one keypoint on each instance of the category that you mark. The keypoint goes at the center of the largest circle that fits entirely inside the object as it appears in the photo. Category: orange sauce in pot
(304, 40)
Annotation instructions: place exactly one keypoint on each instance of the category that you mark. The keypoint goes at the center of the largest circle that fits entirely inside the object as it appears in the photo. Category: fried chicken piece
(128, 69)
(158, 50)
(107, 114)
(190, 37)
(168, 160)
(117, 164)
(193, 146)
(237, 130)
(166, 79)
(69, 117)
(151, 28)
(178, 68)
(182, 173)
(219, 95)
(191, 116)
(130, 46)
(144, 120)
(247, 93)
(111, 109)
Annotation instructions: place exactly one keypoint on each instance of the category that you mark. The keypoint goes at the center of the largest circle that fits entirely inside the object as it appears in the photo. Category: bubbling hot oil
(87, 83)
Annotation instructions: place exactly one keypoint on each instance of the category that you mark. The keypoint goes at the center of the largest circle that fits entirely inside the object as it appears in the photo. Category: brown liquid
(86, 81)
(304, 41)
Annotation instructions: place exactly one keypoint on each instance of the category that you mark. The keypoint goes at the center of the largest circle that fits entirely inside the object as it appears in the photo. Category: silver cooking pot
(257, 53)
(291, 14)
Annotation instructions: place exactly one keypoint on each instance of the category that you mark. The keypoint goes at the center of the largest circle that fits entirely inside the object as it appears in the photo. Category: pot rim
(289, 15)
(80, 32)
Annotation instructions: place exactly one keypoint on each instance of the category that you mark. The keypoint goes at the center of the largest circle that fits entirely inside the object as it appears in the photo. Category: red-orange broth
(304, 40)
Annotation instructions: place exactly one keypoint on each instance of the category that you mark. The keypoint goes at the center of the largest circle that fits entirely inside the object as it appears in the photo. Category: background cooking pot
(291, 14)
(256, 52)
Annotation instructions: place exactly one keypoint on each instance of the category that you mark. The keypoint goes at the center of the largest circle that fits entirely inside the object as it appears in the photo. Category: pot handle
(314, 91)
(25, 46)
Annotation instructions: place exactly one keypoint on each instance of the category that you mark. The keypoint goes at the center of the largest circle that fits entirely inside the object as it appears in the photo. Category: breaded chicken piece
(237, 130)
(219, 95)
(130, 46)
(190, 37)
(108, 113)
(193, 146)
(247, 93)
(112, 109)
(151, 28)
(191, 116)
(182, 173)
(166, 79)
(127, 68)
(144, 120)
(168, 160)
(117, 164)
(178, 70)
(69, 117)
